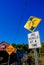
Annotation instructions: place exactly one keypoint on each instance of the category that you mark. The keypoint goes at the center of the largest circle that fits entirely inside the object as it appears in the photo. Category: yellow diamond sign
(10, 49)
(32, 23)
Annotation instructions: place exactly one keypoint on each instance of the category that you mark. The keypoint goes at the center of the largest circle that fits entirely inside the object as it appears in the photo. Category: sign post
(33, 38)
(34, 42)
(9, 50)
(8, 60)
(35, 56)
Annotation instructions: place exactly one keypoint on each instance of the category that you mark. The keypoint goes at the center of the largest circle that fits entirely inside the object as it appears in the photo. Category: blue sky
(13, 16)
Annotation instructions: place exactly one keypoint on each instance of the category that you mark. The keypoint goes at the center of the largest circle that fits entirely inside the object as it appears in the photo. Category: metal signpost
(34, 42)
(8, 60)
(35, 56)
(33, 38)
(9, 50)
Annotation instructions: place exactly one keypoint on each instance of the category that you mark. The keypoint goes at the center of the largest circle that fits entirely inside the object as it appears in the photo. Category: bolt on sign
(34, 40)
(10, 49)
(32, 23)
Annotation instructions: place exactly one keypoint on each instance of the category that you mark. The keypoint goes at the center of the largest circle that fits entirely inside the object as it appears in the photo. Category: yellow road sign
(32, 23)
(10, 49)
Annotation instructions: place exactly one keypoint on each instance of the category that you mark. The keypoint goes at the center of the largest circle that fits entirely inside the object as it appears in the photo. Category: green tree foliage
(24, 47)
(42, 48)
(14, 45)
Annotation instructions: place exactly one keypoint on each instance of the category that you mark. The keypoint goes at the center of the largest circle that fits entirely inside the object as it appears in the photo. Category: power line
(21, 20)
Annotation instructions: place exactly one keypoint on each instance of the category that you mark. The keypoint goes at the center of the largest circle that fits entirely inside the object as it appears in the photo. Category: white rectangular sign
(34, 40)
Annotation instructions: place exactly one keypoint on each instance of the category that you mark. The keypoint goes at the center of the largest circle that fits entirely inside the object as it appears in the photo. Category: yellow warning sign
(32, 23)
(10, 49)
